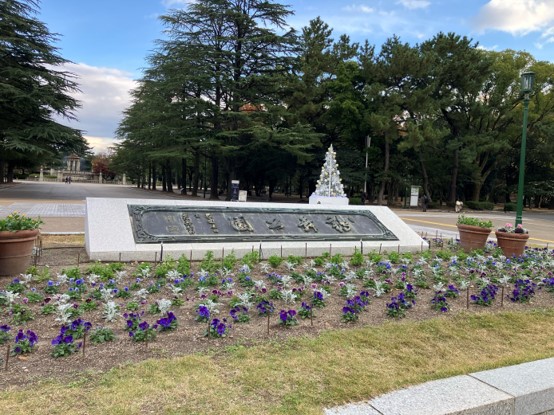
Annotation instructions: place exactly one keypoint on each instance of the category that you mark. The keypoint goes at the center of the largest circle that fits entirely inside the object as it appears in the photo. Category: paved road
(62, 207)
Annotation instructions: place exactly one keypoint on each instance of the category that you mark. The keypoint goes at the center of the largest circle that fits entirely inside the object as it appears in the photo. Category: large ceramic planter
(473, 237)
(512, 244)
(16, 249)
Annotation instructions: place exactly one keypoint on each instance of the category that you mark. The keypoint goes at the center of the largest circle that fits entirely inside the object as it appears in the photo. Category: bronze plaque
(155, 224)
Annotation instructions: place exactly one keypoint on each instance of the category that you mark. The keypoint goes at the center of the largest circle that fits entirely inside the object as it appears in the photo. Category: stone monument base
(149, 230)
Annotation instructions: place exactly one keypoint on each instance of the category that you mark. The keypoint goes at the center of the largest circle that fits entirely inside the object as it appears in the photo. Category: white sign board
(414, 196)
(242, 195)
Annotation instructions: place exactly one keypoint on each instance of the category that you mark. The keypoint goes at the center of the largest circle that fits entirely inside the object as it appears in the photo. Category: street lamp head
(527, 79)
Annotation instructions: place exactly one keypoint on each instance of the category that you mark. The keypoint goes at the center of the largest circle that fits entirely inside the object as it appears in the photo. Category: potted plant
(512, 240)
(473, 232)
(17, 238)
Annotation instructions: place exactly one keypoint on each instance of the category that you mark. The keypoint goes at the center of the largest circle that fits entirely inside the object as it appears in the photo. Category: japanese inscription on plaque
(154, 224)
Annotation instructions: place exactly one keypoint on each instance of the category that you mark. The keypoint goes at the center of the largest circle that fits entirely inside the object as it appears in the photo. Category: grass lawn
(299, 375)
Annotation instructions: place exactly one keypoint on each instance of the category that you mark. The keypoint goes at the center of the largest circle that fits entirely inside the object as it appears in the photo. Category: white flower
(106, 294)
(245, 269)
(62, 278)
(93, 278)
(286, 281)
(63, 311)
(172, 274)
(163, 305)
(438, 286)
(245, 299)
(141, 294)
(111, 310)
(288, 296)
(26, 279)
(62, 298)
(120, 275)
(175, 290)
(379, 288)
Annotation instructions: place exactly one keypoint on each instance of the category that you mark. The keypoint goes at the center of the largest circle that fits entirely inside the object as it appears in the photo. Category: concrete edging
(524, 389)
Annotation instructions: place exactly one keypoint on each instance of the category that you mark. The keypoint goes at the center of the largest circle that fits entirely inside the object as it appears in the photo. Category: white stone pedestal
(327, 200)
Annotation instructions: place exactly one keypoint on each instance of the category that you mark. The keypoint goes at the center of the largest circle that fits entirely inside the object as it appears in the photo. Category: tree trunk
(195, 173)
(9, 175)
(184, 176)
(425, 177)
(169, 176)
(385, 173)
(154, 177)
(164, 179)
(454, 178)
(214, 179)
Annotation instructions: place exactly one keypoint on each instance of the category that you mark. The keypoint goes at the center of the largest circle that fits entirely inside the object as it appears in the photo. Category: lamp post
(367, 145)
(527, 79)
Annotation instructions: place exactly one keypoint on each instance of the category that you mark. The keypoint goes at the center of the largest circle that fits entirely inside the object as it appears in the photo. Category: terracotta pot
(16, 249)
(473, 237)
(512, 244)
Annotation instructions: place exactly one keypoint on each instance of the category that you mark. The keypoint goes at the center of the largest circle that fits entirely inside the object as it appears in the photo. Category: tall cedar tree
(233, 58)
(32, 91)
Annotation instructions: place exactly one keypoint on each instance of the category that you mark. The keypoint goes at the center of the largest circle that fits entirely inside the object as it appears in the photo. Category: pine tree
(329, 183)
(32, 91)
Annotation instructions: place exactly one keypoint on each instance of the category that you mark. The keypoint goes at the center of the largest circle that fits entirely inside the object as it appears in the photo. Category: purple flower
(203, 312)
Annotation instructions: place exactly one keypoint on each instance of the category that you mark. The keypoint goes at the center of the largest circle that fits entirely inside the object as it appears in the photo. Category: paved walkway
(58, 218)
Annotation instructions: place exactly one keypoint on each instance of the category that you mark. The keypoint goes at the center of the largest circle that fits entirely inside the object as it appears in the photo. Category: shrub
(471, 204)
(510, 207)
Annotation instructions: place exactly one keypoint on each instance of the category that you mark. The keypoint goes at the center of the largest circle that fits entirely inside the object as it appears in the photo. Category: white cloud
(105, 93)
(173, 3)
(518, 17)
(99, 144)
(414, 4)
(359, 8)
(488, 48)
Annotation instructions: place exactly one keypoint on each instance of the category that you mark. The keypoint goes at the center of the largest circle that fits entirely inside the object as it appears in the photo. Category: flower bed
(126, 313)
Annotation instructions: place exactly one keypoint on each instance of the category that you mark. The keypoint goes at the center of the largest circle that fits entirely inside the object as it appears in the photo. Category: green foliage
(18, 222)
(35, 90)
(357, 258)
(510, 207)
(164, 267)
(275, 261)
(394, 257)
(102, 335)
(183, 265)
(467, 220)
(374, 257)
(72, 273)
(230, 261)
(106, 272)
(251, 258)
(295, 259)
(209, 263)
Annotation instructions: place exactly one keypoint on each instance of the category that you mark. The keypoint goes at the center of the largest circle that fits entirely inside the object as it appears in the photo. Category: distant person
(363, 198)
(459, 206)
(425, 202)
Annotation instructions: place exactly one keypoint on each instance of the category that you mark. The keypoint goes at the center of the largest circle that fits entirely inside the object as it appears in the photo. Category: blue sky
(108, 40)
